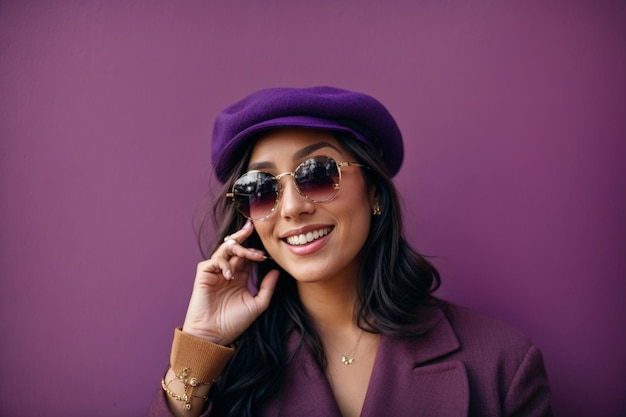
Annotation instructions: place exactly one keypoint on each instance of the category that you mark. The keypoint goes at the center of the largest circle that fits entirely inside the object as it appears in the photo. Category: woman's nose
(292, 204)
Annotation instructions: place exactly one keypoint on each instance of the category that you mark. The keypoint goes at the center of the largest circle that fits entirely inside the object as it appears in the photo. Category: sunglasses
(256, 193)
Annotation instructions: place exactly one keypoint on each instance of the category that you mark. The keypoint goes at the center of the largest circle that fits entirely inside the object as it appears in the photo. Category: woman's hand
(221, 306)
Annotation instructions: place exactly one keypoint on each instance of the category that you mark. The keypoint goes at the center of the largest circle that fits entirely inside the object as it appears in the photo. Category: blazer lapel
(411, 378)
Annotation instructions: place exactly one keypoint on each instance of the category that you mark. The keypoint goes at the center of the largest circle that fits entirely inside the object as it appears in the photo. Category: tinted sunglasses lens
(255, 194)
(318, 178)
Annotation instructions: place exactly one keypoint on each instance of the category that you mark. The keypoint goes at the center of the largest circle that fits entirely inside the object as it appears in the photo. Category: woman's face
(336, 230)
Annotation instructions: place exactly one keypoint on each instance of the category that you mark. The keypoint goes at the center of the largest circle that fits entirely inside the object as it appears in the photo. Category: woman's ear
(374, 201)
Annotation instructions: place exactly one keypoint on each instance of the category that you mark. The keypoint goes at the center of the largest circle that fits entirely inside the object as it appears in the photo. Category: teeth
(309, 237)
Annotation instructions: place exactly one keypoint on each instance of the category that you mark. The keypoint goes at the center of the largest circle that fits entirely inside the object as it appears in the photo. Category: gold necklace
(348, 358)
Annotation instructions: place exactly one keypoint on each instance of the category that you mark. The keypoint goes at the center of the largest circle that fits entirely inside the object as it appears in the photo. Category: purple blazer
(459, 363)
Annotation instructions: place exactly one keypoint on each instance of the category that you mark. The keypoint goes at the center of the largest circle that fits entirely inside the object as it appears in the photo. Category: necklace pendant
(346, 361)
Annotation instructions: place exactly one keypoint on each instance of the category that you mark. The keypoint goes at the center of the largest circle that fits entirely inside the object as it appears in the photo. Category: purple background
(515, 126)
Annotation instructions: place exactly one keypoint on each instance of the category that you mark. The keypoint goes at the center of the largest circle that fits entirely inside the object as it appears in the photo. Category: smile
(309, 237)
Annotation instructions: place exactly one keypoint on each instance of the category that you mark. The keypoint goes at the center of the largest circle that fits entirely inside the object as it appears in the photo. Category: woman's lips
(308, 242)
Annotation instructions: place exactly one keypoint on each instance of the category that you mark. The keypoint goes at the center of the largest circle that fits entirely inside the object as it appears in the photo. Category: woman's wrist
(208, 336)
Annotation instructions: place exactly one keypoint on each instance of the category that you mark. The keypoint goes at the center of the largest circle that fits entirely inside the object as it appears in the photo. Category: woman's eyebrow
(260, 166)
(307, 150)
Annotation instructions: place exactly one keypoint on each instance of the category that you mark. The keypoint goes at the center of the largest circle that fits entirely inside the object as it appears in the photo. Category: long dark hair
(394, 280)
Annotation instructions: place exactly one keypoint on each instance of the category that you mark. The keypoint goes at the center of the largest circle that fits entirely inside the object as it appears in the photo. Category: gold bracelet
(171, 393)
(190, 385)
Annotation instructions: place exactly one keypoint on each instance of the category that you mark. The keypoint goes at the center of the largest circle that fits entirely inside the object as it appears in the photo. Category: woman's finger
(232, 246)
(266, 291)
(241, 234)
(231, 257)
(216, 266)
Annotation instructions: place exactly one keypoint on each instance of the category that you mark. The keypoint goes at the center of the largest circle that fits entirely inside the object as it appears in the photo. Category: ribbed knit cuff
(203, 360)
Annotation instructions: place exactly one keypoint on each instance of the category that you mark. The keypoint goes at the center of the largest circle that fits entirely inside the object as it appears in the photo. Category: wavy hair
(393, 281)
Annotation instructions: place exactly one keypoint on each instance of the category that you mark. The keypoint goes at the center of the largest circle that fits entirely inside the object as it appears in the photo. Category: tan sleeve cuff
(203, 359)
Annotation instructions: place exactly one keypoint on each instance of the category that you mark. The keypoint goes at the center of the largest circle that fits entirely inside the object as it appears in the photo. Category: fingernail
(248, 224)
(228, 274)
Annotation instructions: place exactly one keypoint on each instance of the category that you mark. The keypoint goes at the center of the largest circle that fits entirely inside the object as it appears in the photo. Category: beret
(323, 107)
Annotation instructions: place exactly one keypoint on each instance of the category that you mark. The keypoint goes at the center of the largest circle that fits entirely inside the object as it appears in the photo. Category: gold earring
(377, 211)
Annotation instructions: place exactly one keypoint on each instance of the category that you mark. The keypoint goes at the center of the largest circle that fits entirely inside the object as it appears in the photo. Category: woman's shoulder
(500, 360)
(469, 334)
(482, 342)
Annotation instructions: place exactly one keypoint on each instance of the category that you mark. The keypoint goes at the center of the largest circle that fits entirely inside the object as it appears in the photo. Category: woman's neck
(330, 305)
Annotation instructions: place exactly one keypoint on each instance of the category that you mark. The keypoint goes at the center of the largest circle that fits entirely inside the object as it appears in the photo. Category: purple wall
(515, 126)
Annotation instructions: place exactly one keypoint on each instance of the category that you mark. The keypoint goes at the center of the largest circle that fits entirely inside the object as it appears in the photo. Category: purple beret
(326, 108)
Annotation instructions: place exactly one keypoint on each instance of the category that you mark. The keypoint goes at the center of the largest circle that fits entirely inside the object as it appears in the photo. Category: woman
(341, 320)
